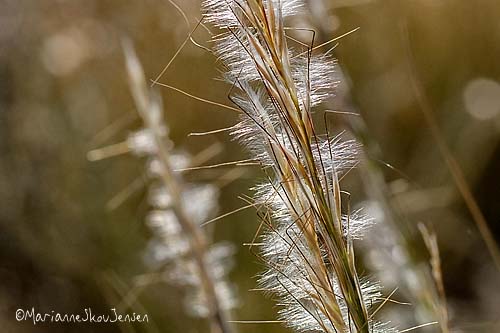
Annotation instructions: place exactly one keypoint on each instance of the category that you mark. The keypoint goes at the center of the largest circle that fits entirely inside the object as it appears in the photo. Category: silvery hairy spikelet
(179, 249)
(308, 247)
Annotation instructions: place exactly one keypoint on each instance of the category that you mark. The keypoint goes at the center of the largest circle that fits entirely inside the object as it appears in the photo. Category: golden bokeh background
(63, 84)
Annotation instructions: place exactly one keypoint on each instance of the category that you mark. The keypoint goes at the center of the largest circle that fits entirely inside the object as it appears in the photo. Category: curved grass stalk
(179, 244)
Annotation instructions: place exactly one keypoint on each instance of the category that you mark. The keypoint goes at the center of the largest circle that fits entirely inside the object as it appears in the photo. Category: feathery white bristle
(277, 88)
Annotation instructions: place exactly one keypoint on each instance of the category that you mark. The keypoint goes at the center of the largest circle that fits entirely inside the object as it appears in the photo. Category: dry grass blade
(431, 243)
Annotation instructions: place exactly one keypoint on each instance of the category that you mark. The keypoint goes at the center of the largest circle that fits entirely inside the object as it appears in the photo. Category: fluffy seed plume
(308, 247)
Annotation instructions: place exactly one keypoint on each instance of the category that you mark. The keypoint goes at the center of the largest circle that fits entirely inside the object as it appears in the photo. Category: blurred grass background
(62, 81)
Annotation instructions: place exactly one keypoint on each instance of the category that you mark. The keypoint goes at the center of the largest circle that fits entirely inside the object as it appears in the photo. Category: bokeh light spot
(63, 53)
(482, 98)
